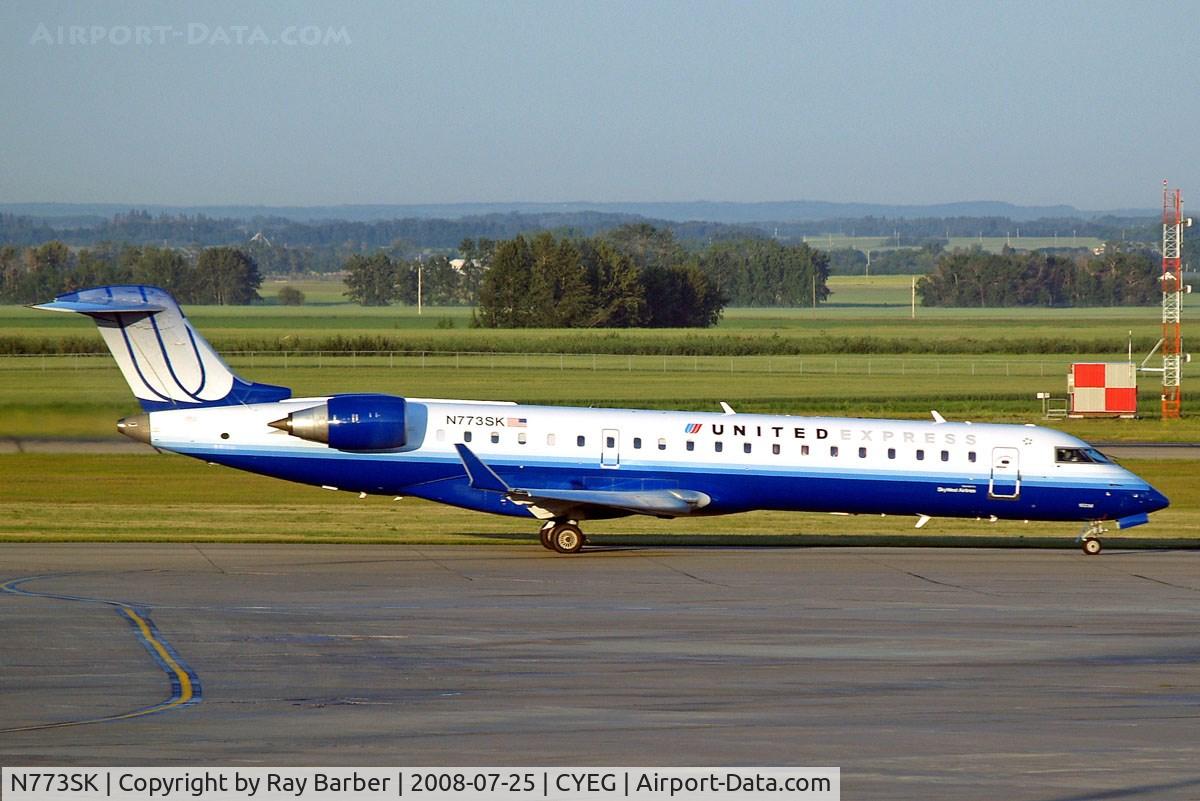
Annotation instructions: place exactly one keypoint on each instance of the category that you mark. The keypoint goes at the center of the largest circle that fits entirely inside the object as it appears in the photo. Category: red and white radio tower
(1172, 304)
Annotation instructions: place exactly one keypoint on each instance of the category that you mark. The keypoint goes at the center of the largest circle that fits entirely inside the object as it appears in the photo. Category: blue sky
(1090, 104)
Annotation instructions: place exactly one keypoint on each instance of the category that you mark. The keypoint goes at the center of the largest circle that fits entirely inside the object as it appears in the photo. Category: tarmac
(922, 673)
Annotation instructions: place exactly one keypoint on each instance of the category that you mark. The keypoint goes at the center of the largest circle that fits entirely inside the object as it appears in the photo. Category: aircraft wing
(562, 502)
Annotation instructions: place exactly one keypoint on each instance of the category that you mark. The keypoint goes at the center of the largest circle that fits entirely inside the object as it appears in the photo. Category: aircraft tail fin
(165, 361)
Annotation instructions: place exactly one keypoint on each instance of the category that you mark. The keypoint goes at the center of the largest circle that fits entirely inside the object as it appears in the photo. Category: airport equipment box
(1103, 389)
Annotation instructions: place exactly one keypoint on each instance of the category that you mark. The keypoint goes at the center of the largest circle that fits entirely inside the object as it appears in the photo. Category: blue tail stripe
(137, 366)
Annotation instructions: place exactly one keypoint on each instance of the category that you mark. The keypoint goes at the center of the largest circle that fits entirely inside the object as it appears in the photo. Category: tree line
(634, 275)
(314, 241)
(1118, 277)
(898, 261)
(322, 245)
(380, 279)
(915, 230)
(218, 275)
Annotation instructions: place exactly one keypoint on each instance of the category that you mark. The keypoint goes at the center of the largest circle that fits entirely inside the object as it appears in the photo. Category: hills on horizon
(728, 212)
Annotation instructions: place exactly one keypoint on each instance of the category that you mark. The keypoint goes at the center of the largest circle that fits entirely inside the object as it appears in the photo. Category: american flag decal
(691, 428)
(517, 422)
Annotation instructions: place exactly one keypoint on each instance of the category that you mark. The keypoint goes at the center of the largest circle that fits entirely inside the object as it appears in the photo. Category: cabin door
(610, 448)
(1006, 474)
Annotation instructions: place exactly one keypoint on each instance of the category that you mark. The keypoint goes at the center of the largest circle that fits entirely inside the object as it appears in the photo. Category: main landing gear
(1089, 538)
(563, 536)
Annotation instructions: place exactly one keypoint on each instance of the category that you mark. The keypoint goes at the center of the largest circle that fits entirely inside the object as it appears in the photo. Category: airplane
(560, 466)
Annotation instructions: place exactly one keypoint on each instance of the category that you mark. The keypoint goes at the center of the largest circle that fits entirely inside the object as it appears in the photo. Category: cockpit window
(1079, 456)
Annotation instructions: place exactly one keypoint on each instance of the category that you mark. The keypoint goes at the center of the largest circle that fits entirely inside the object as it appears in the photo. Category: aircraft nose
(1155, 500)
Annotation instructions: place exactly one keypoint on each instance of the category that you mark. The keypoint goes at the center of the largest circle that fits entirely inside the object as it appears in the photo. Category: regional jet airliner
(560, 465)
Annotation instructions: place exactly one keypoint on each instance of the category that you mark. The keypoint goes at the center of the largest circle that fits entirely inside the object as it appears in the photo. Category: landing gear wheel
(545, 534)
(1092, 546)
(566, 538)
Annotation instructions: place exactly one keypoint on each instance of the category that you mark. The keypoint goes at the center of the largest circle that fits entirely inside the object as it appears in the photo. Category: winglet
(480, 475)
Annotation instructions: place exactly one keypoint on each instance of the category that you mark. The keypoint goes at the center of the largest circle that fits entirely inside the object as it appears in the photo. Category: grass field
(980, 364)
(83, 403)
(864, 315)
(171, 498)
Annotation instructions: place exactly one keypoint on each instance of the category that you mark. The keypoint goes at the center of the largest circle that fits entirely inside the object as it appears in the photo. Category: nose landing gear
(563, 536)
(1089, 538)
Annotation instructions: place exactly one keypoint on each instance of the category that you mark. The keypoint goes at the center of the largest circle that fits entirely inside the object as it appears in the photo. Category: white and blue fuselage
(561, 465)
(740, 461)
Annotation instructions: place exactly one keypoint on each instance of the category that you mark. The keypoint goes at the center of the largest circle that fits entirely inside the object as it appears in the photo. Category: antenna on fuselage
(726, 408)
(937, 416)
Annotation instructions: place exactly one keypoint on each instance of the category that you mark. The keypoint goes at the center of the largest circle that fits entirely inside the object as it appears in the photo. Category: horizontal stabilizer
(80, 307)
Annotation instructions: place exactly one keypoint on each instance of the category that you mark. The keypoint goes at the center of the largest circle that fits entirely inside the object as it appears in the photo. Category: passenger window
(521, 438)
(466, 436)
(891, 453)
(549, 439)
(719, 446)
(746, 447)
(775, 449)
(833, 450)
(970, 456)
(637, 443)
(862, 453)
(495, 437)
(691, 445)
(920, 456)
(804, 450)
(662, 443)
(441, 435)
(945, 456)
(610, 442)
(580, 440)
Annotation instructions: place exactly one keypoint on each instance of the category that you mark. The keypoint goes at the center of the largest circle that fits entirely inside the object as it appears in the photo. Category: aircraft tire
(1092, 546)
(566, 538)
(544, 535)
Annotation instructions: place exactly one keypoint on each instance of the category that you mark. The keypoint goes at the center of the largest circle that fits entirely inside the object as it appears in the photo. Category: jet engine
(350, 423)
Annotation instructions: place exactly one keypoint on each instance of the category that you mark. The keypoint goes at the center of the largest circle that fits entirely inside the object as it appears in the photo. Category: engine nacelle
(350, 423)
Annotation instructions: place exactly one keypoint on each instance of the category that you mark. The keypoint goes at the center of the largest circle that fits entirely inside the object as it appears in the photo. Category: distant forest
(1117, 277)
(323, 245)
(206, 259)
(283, 246)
